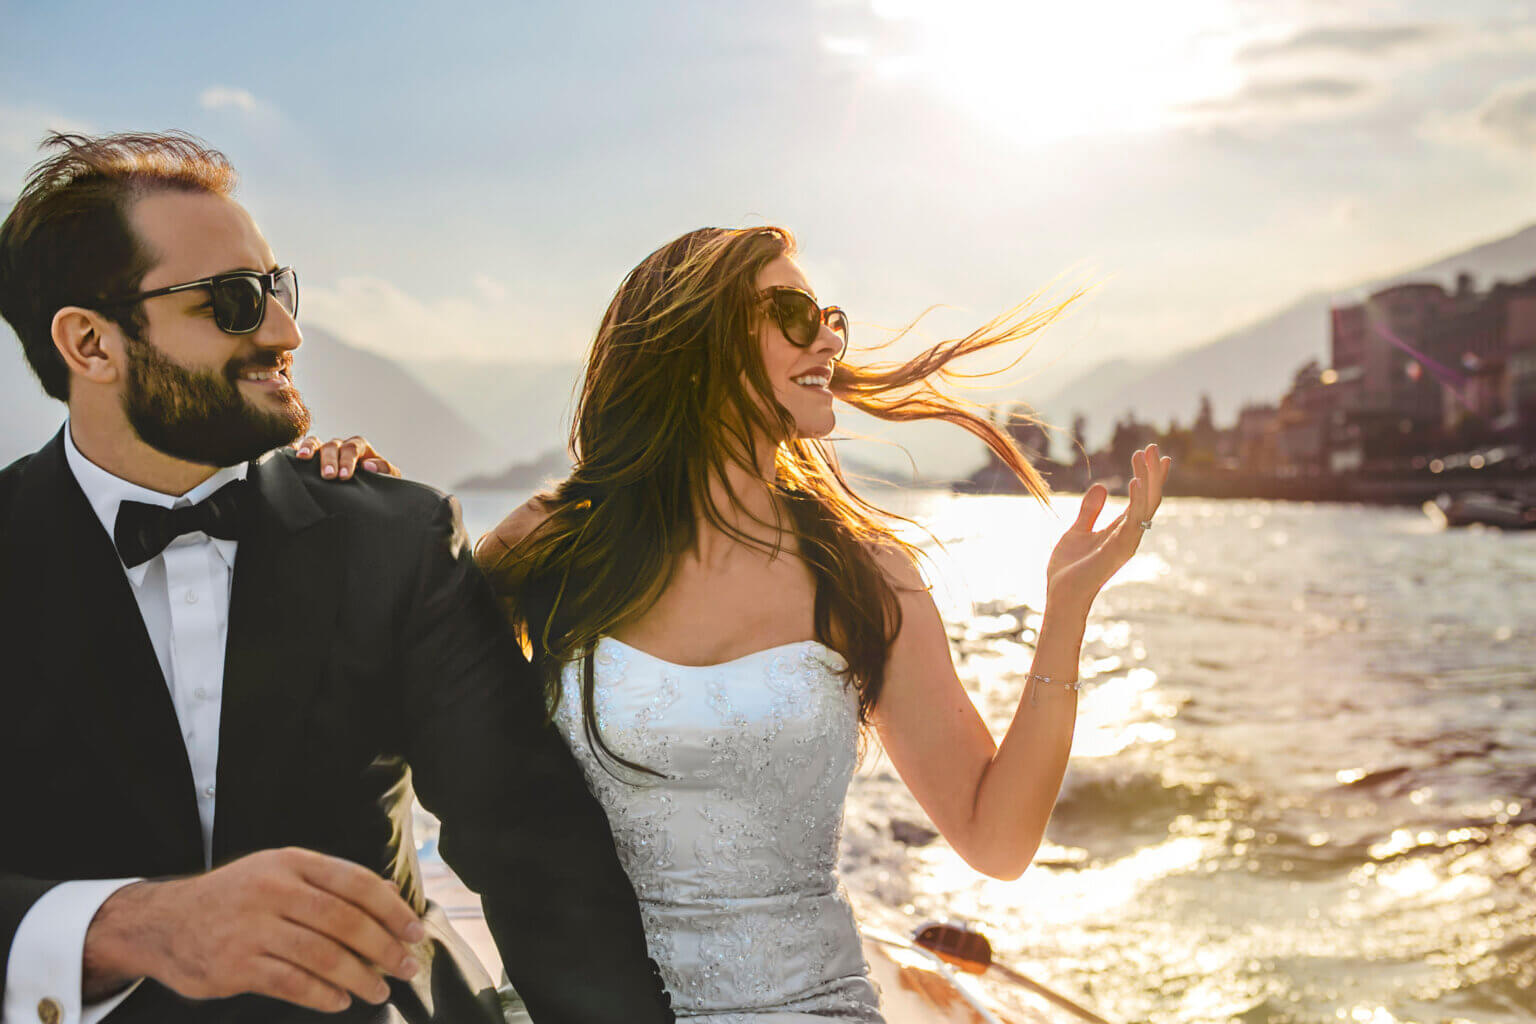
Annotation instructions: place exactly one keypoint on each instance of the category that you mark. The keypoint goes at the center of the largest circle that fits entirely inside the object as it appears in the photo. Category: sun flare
(1048, 71)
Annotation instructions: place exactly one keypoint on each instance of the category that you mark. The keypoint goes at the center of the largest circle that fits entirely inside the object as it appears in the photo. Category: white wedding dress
(733, 853)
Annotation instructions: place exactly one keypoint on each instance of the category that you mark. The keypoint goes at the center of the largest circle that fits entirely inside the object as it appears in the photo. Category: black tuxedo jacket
(365, 655)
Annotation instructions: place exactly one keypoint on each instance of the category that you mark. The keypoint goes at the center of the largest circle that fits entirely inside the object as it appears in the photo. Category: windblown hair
(675, 392)
(68, 240)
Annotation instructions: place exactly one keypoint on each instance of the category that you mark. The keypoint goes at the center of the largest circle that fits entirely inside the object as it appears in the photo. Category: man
(224, 676)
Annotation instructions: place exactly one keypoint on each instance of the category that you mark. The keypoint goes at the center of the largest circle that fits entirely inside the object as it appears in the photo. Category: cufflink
(49, 1011)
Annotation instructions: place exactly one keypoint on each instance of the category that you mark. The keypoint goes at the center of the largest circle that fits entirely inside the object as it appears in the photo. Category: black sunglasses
(800, 317)
(239, 297)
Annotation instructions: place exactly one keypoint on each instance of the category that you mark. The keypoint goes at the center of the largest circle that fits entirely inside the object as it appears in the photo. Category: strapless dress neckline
(729, 662)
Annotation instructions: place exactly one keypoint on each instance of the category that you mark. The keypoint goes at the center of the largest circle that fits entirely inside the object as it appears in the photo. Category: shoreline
(1388, 490)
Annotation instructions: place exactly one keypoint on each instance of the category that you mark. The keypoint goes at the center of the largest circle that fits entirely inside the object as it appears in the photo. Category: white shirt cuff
(43, 977)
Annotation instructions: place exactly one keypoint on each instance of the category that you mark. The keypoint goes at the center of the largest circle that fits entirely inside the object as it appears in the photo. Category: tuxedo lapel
(288, 573)
(78, 613)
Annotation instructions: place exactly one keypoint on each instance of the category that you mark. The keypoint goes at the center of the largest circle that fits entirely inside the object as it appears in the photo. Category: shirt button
(191, 597)
(200, 693)
(208, 792)
(49, 1011)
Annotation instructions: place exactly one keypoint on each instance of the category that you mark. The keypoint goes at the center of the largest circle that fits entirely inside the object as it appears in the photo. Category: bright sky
(475, 182)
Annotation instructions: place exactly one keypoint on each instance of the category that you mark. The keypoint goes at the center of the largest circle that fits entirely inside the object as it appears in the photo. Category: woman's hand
(1084, 559)
(341, 457)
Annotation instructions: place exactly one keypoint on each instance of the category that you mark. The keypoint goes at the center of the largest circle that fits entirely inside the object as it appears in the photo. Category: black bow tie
(143, 531)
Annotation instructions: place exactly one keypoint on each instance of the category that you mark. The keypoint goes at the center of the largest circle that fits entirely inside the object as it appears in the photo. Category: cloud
(223, 97)
(1509, 115)
(489, 287)
(1295, 97)
(1401, 44)
(1505, 120)
(1347, 210)
(846, 46)
(22, 128)
(1349, 40)
(377, 315)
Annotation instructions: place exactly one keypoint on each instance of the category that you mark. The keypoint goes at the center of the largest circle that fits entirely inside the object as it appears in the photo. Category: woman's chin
(809, 429)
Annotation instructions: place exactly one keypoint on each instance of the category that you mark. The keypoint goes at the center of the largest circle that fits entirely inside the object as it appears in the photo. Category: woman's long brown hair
(675, 391)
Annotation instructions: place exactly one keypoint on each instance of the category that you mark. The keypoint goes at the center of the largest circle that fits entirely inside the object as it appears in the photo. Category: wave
(1111, 815)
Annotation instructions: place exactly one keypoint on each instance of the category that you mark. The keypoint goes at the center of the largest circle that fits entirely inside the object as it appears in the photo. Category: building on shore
(1428, 390)
(1418, 366)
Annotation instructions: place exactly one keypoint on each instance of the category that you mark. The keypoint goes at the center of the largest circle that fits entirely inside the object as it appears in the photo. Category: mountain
(548, 468)
(555, 464)
(525, 408)
(353, 391)
(349, 390)
(1251, 364)
(1255, 363)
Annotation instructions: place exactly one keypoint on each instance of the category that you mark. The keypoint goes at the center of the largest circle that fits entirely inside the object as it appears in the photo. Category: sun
(1046, 71)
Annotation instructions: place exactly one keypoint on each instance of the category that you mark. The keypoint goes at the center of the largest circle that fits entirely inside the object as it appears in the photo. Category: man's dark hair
(68, 241)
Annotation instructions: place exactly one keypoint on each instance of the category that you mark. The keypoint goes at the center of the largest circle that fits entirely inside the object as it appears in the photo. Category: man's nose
(278, 328)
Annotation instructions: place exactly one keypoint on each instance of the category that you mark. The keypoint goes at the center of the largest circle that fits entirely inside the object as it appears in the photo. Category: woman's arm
(992, 802)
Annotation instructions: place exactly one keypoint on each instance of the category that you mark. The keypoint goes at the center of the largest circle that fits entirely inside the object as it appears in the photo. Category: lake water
(1303, 785)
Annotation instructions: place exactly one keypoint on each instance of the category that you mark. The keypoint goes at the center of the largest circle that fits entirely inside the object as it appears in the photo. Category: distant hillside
(1255, 363)
(555, 464)
(1252, 364)
(353, 391)
(523, 408)
(349, 390)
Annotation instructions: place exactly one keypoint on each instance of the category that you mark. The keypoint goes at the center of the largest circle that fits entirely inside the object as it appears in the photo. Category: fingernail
(415, 932)
(328, 471)
(304, 451)
(345, 472)
(381, 992)
(408, 968)
(371, 466)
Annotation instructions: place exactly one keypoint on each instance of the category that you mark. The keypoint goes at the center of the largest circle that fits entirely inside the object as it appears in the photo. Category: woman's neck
(747, 503)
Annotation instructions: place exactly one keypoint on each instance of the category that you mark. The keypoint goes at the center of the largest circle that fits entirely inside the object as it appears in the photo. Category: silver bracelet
(1034, 679)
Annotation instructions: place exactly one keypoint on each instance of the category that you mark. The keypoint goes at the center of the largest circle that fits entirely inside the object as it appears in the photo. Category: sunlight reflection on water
(1293, 766)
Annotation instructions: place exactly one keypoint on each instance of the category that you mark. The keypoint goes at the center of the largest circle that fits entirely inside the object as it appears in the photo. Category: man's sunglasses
(800, 317)
(239, 297)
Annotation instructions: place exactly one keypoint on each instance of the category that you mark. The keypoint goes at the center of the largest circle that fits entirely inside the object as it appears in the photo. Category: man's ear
(90, 345)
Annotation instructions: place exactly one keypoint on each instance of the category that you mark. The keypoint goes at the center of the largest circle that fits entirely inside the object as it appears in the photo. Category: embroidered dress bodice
(732, 852)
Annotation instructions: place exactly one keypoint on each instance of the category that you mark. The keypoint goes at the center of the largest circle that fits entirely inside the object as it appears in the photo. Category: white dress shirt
(183, 598)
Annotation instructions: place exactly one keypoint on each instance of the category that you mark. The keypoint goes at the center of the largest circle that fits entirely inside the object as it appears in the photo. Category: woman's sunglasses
(800, 317)
(239, 297)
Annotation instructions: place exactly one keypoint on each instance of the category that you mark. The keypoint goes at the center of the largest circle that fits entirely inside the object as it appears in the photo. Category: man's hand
(290, 924)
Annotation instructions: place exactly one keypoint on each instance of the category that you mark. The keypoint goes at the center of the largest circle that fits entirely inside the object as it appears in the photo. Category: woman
(718, 616)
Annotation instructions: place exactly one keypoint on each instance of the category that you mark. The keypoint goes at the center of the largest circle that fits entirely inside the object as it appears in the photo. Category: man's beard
(200, 415)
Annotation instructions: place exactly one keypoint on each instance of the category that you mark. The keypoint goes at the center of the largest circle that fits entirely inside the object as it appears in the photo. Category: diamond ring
(1145, 524)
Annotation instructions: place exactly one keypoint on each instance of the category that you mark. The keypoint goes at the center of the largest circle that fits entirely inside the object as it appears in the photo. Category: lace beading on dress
(733, 853)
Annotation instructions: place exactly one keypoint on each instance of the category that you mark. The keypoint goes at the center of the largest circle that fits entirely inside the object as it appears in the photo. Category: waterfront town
(1427, 391)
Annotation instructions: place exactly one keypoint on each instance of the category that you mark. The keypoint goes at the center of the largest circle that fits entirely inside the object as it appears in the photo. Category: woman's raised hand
(341, 457)
(1084, 559)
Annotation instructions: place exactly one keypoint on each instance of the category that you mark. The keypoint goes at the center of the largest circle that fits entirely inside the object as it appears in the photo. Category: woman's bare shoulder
(512, 530)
